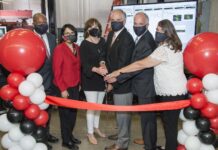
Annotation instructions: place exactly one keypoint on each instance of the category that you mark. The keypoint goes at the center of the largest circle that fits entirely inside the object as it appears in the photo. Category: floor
(107, 125)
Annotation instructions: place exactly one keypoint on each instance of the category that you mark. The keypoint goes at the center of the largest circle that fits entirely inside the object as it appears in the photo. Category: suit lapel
(138, 45)
(118, 38)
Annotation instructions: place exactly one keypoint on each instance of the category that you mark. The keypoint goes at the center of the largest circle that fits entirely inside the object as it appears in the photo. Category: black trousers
(170, 121)
(149, 125)
(68, 116)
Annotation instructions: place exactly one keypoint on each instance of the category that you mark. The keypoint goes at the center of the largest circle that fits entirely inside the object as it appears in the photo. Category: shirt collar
(118, 32)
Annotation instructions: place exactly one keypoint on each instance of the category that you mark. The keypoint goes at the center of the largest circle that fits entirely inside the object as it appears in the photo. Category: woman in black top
(92, 60)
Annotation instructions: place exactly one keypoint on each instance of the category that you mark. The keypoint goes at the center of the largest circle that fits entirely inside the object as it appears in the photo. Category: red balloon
(201, 54)
(42, 119)
(215, 131)
(214, 123)
(21, 102)
(181, 147)
(32, 112)
(7, 92)
(14, 79)
(210, 111)
(198, 101)
(194, 85)
(22, 51)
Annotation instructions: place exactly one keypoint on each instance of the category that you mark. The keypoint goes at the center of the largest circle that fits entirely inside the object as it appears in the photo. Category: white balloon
(42, 87)
(190, 128)
(15, 147)
(7, 142)
(181, 115)
(5, 124)
(26, 88)
(210, 81)
(182, 136)
(206, 147)
(35, 78)
(15, 134)
(212, 96)
(27, 142)
(43, 106)
(40, 146)
(192, 143)
(38, 97)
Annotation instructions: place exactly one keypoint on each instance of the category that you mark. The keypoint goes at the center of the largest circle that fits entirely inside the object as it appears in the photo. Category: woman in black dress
(92, 60)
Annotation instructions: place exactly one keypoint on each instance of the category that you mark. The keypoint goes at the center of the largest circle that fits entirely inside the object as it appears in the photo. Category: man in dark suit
(142, 81)
(120, 45)
(41, 27)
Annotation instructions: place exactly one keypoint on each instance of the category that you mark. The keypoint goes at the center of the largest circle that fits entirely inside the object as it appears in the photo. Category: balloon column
(200, 124)
(22, 53)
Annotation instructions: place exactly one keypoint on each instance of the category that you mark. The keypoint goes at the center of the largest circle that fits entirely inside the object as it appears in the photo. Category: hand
(112, 75)
(101, 70)
(64, 94)
(109, 88)
(103, 65)
(111, 80)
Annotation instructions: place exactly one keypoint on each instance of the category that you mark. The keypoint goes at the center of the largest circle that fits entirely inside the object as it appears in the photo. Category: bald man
(120, 45)
(142, 81)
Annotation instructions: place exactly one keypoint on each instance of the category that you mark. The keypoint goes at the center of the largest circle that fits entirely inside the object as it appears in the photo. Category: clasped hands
(110, 78)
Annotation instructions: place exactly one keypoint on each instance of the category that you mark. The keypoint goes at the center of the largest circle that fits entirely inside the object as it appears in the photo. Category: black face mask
(72, 38)
(116, 26)
(139, 30)
(160, 37)
(41, 29)
(94, 32)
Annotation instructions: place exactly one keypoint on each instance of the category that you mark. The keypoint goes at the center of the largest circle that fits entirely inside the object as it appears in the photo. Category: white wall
(77, 12)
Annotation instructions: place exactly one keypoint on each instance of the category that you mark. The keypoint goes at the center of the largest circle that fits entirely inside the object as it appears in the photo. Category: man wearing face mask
(120, 45)
(142, 81)
(40, 28)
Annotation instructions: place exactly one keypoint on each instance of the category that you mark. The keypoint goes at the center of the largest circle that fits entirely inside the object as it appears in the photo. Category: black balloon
(191, 113)
(203, 124)
(40, 134)
(14, 116)
(8, 104)
(207, 137)
(27, 126)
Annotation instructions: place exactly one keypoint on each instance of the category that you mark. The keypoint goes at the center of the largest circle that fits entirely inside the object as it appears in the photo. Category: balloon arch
(22, 53)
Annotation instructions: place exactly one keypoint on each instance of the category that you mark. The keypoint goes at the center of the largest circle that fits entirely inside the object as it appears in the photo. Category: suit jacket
(142, 81)
(46, 69)
(119, 54)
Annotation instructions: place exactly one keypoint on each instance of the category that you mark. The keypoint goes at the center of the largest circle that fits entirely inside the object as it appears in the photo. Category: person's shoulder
(83, 43)
(127, 35)
(50, 35)
(76, 45)
(149, 35)
(102, 39)
(59, 46)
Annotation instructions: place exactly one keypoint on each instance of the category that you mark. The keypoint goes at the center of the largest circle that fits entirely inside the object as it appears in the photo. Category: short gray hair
(121, 11)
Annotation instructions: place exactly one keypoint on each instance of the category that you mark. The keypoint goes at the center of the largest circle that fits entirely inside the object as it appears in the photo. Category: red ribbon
(93, 106)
